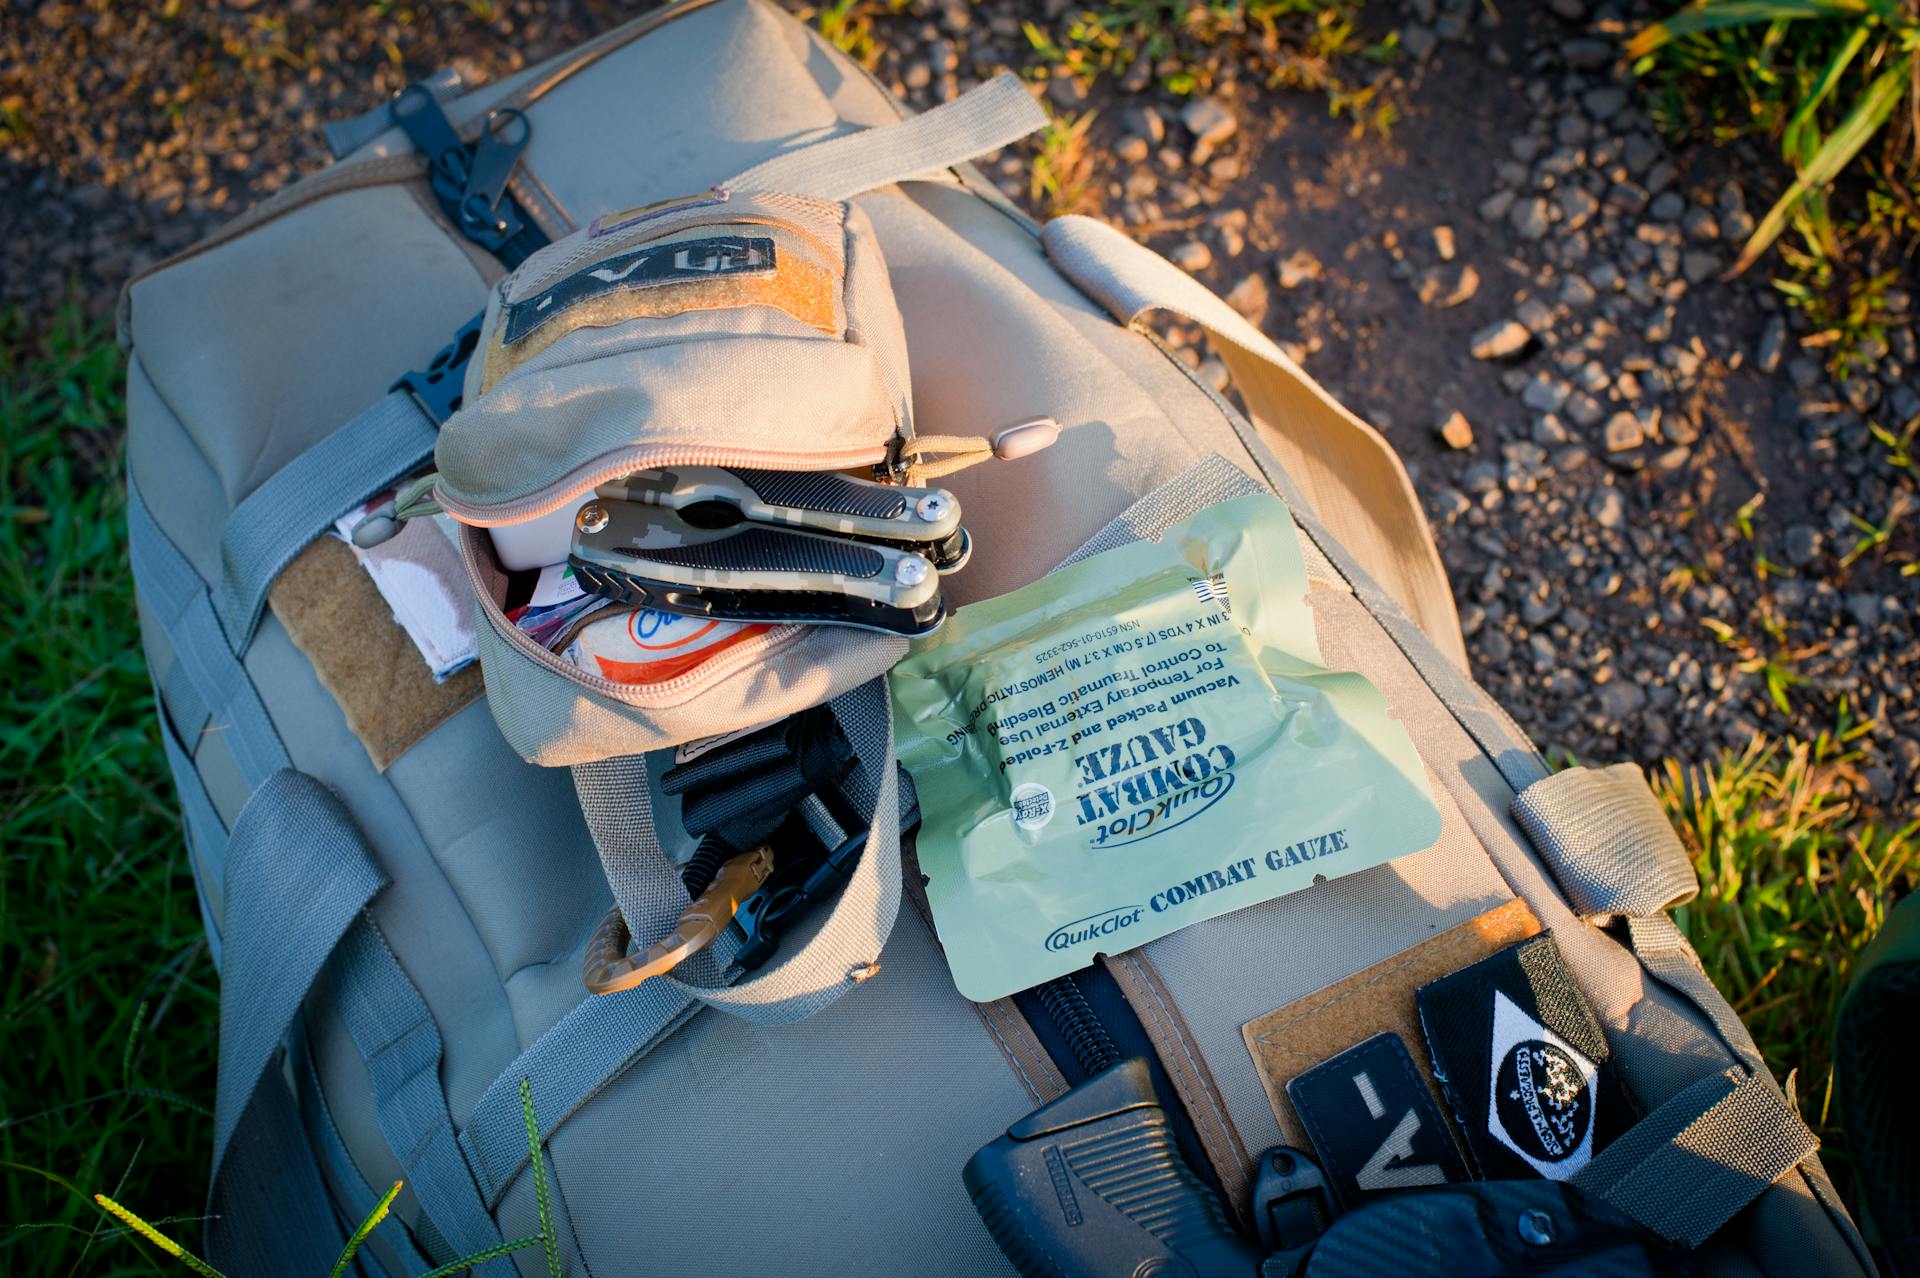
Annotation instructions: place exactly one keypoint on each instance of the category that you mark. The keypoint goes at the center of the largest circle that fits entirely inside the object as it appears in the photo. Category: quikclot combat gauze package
(1139, 741)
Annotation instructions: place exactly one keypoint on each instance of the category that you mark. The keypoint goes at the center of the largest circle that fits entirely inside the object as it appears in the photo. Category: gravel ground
(1519, 283)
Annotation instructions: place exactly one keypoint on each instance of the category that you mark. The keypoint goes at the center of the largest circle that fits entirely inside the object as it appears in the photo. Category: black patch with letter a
(1373, 1122)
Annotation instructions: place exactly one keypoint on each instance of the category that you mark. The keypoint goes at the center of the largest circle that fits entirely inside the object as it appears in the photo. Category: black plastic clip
(439, 389)
(470, 182)
(1292, 1206)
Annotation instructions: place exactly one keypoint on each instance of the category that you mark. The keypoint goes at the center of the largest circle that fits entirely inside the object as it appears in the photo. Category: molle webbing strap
(301, 500)
(297, 877)
(1602, 833)
(391, 1025)
(183, 608)
(1684, 1170)
(1351, 477)
(985, 119)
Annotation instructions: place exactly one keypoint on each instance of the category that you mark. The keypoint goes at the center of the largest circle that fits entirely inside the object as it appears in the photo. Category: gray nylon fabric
(1604, 836)
(183, 608)
(270, 1176)
(346, 1179)
(301, 500)
(298, 876)
(1665, 952)
(1684, 1170)
(206, 836)
(395, 1033)
(998, 112)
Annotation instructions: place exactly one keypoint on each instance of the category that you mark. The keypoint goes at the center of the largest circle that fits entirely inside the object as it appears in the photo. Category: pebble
(1700, 226)
(1297, 268)
(1529, 218)
(1773, 341)
(1495, 647)
(1584, 409)
(1446, 286)
(1545, 393)
(1621, 698)
(1576, 291)
(1214, 373)
(1623, 432)
(1456, 432)
(1192, 257)
(1210, 122)
(1699, 266)
(1586, 54)
(1667, 207)
(1419, 42)
(1443, 244)
(1249, 297)
(1605, 103)
(1500, 341)
(1577, 206)
(1802, 544)
(1536, 315)
(1131, 149)
(1495, 206)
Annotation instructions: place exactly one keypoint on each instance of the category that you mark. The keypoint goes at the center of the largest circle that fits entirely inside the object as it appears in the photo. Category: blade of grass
(1829, 78)
(1737, 13)
(157, 1238)
(1868, 114)
(374, 1217)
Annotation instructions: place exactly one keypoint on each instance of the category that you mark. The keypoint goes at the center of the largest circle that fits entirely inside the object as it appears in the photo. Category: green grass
(109, 1010)
(1795, 878)
(1832, 83)
(108, 1005)
(1298, 44)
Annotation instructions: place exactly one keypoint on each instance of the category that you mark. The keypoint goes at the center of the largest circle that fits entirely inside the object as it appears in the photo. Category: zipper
(612, 466)
(667, 691)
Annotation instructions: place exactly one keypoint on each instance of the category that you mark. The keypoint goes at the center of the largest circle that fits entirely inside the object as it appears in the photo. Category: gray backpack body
(399, 900)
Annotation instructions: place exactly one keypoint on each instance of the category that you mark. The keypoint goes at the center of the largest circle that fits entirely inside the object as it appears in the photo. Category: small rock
(1249, 297)
(1495, 647)
(1569, 10)
(1545, 393)
(1536, 315)
(1773, 342)
(1802, 544)
(1575, 291)
(1501, 340)
(1495, 206)
(1214, 373)
(1132, 149)
(1210, 122)
(1604, 103)
(1529, 218)
(1586, 54)
(1577, 206)
(1700, 226)
(1621, 698)
(1443, 242)
(1584, 409)
(1865, 609)
(1640, 153)
(1699, 266)
(1445, 286)
(1419, 42)
(1667, 207)
(1147, 123)
(1456, 431)
(1192, 257)
(1624, 432)
(1297, 268)
(1548, 431)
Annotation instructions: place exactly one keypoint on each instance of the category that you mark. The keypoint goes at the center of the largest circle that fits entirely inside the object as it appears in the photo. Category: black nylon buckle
(438, 389)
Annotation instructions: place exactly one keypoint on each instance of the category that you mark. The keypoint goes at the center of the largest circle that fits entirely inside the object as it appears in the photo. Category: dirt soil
(1624, 405)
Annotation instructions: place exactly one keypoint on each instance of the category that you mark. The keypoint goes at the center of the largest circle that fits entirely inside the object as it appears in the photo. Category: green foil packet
(1139, 741)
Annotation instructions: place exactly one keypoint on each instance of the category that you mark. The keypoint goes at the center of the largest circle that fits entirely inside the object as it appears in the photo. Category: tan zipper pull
(957, 452)
(414, 500)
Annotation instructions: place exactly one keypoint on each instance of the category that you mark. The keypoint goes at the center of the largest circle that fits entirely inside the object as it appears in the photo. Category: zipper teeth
(723, 663)
(648, 457)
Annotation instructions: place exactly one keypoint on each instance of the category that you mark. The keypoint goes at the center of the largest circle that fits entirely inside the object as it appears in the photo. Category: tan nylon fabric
(1351, 476)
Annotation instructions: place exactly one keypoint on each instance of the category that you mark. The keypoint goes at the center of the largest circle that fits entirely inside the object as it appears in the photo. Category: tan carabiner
(608, 968)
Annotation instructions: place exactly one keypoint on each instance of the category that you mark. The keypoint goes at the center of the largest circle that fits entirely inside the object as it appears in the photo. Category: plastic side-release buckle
(440, 387)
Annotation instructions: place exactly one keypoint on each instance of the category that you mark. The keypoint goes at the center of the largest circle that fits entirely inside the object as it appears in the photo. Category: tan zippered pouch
(754, 330)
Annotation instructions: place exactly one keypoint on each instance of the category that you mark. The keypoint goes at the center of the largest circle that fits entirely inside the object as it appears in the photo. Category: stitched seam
(1163, 1018)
